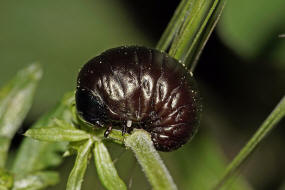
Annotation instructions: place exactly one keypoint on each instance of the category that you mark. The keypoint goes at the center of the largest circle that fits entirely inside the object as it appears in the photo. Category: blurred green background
(241, 75)
(61, 35)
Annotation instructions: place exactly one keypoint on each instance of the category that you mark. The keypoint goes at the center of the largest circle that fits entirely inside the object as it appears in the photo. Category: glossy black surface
(142, 88)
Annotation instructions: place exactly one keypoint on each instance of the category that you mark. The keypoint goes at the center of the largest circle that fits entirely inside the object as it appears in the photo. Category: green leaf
(141, 144)
(75, 178)
(105, 168)
(251, 28)
(36, 181)
(6, 179)
(57, 134)
(267, 126)
(15, 101)
(38, 155)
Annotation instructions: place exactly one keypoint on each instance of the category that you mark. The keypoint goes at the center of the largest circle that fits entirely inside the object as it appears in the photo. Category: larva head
(90, 107)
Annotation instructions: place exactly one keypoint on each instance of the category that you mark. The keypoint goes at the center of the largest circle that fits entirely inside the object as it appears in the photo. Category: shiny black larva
(136, 87)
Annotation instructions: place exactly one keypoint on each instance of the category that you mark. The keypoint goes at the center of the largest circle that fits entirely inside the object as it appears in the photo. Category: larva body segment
(138, 87)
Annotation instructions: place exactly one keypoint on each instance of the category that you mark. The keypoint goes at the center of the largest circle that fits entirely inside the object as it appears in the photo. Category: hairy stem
(156, 172)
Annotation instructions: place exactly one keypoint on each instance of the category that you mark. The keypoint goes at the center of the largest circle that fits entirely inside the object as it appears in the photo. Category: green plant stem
(173, 26)
(276, 115)
(192, 55)
(196, 13)
(189, 29)
(141, 144)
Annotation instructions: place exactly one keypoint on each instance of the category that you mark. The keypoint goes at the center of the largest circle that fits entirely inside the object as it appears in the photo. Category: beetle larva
(136, 87)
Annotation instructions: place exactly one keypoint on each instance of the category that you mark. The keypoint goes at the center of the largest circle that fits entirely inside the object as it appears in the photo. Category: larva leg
(108, 131)
(124, 130)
